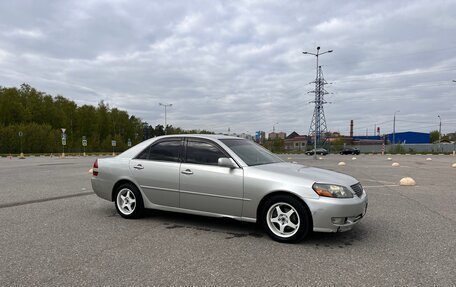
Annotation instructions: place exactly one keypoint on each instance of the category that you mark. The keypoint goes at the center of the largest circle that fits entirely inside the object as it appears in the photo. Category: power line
(400, 88)
(370, 125)
(391, 57)
(355, 78)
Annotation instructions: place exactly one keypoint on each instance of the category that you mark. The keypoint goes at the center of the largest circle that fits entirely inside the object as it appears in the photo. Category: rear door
(205, 186)
(156, 170)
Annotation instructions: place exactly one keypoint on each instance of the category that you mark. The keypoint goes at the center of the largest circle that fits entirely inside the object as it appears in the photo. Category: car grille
(358, 189)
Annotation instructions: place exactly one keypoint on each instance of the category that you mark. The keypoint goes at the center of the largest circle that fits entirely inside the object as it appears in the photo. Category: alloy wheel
(126, 201)
(283, 219)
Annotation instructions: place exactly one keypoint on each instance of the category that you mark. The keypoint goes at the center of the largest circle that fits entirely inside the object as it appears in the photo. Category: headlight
(332, 190)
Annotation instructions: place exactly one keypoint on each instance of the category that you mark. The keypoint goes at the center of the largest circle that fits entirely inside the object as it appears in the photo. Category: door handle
(139, 166)
(187, 171)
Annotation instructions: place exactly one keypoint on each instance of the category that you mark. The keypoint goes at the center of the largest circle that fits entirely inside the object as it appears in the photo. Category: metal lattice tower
(318, 124)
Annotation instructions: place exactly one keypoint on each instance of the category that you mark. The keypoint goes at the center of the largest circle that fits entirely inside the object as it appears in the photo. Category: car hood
(311, 174)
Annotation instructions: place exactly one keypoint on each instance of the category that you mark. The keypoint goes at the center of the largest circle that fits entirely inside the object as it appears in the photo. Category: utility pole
(318, 115)
(394, 127)
(318, 124)
(440, 128)
(273, 126)
(165, 105)
(454, 142)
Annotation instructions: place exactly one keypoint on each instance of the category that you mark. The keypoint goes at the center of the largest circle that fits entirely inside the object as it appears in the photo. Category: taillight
(95, 168)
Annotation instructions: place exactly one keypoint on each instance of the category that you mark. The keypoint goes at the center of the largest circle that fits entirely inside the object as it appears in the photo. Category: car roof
(204, 136)
(133, 151)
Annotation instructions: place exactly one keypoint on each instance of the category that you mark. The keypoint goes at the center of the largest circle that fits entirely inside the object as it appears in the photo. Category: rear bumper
(337, 214)
(102, 188)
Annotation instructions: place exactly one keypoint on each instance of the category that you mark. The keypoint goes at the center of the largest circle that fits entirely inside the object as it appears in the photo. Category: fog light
(338, 220)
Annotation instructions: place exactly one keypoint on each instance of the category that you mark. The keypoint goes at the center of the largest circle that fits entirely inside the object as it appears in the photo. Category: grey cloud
(238, 64)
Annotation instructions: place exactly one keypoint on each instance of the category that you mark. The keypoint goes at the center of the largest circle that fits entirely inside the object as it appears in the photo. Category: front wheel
(285, 219)
(128, 201)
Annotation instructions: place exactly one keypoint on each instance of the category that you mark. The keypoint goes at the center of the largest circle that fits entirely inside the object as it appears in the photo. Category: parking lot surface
(56, 232)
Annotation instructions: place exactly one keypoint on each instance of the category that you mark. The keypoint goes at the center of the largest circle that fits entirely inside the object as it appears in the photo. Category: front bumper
(337, 214)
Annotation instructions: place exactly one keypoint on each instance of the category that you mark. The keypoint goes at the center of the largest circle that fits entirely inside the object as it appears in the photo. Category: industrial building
(399, 138)
(277, 135)
(409, 138)
(295, 142)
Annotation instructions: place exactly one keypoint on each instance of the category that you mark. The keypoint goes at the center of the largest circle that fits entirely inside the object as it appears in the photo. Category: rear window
(169, 150)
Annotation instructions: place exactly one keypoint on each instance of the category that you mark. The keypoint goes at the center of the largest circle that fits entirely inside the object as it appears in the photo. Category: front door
(205, 186)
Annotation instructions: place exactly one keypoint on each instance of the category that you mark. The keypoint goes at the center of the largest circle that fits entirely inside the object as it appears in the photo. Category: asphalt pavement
(56, 232)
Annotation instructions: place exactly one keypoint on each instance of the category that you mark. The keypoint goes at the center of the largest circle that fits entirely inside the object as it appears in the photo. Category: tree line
(31, 121)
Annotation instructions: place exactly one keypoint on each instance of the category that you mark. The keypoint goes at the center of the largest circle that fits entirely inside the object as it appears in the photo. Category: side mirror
(226, 162)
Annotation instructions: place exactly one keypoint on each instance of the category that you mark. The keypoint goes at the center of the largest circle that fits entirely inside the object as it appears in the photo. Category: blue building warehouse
(403, 138)
(410, 138)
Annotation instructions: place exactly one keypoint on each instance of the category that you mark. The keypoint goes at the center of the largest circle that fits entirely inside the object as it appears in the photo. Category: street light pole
(440, 128)
(394, 127)
(165, 105)
(317, 54)
(454, 142)
(20, 137)
(273, 126)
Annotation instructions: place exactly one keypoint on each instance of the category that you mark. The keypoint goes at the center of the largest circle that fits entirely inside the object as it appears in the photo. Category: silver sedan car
(221, 176)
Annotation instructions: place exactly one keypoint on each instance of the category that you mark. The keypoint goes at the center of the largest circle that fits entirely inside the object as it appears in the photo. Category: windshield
(250, 152)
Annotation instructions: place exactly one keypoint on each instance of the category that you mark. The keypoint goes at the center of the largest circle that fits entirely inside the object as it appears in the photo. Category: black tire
(302, 216)
(131, 191)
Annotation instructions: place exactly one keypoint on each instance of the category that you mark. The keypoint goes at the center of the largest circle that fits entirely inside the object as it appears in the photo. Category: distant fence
(408, 148)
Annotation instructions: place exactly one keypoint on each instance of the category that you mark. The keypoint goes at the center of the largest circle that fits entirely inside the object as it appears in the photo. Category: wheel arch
(282, 192)
(119, 183)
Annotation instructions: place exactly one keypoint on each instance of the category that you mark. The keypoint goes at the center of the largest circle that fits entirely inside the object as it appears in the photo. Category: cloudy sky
(239, 64)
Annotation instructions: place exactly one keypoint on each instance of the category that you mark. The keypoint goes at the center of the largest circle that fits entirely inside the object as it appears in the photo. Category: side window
(166, 151)
(203, 153)
(144, 154)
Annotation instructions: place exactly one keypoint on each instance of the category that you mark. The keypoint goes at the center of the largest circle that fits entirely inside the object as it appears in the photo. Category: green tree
(276, 145)
(40, 117)
(434, 136)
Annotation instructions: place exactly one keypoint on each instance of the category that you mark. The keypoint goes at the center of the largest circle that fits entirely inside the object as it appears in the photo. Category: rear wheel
(129, 203)
(285, 219)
